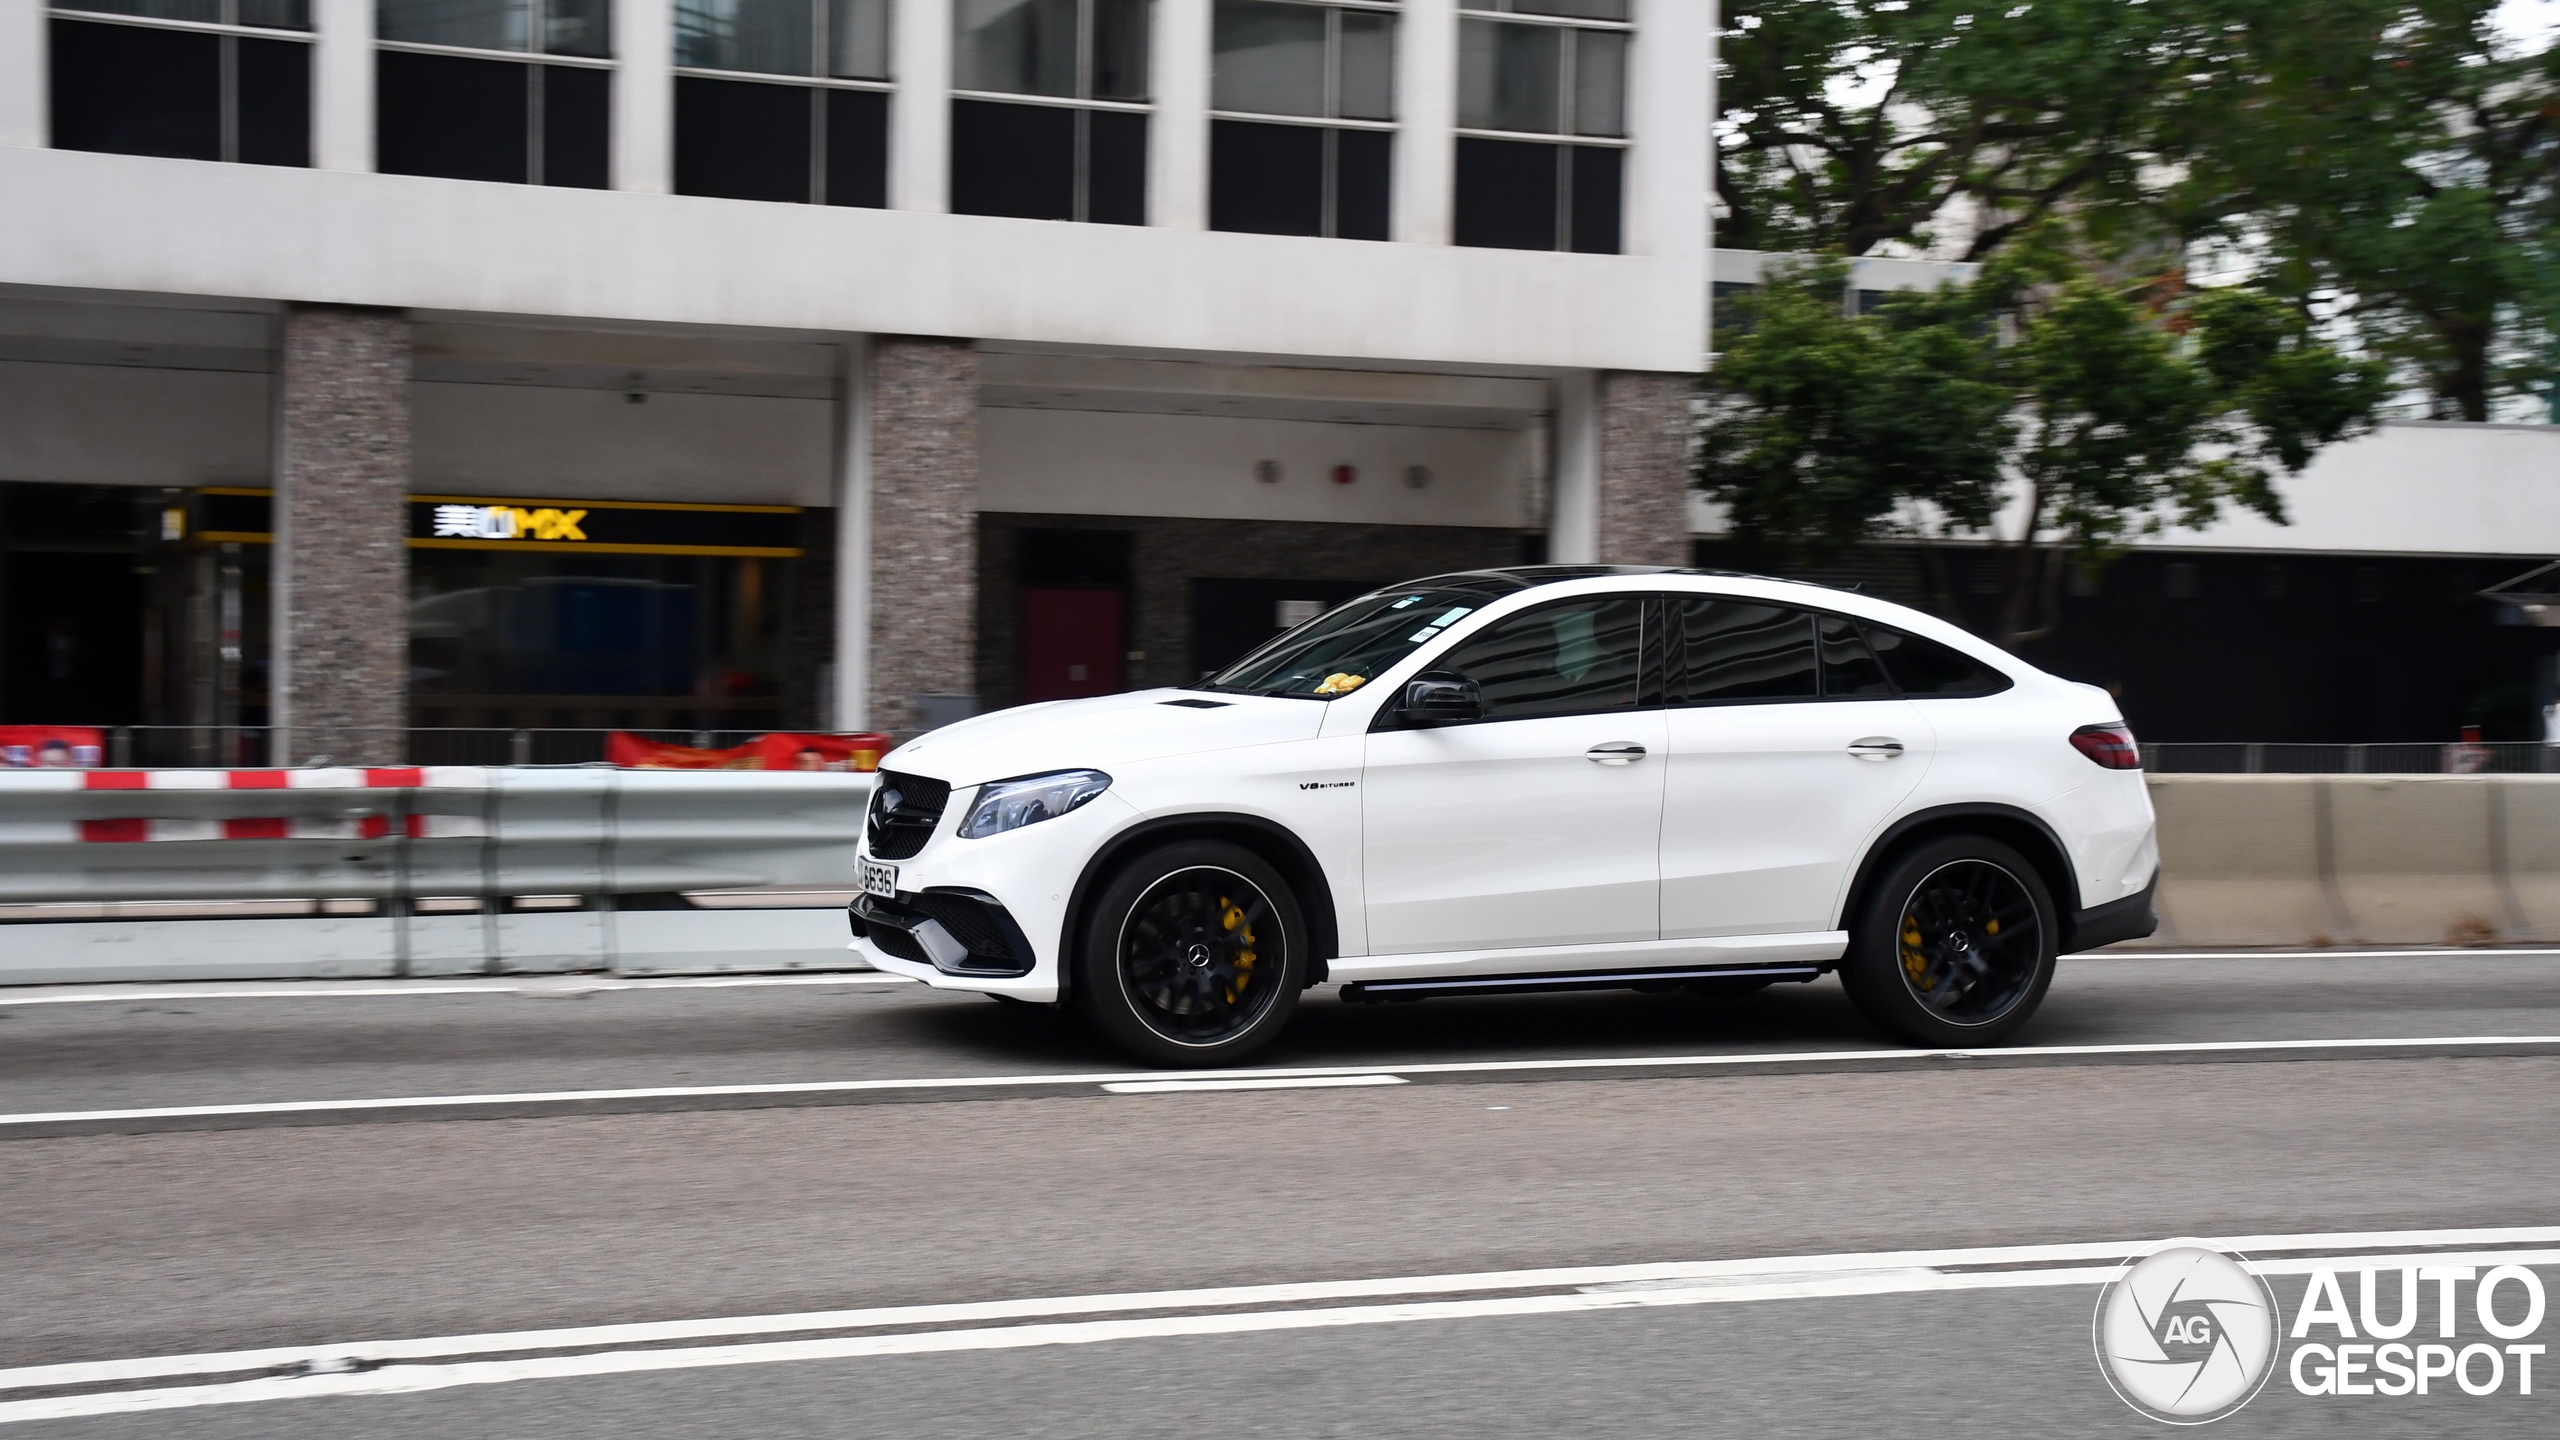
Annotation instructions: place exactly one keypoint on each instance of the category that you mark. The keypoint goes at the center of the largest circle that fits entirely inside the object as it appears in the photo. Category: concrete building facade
(383, 364)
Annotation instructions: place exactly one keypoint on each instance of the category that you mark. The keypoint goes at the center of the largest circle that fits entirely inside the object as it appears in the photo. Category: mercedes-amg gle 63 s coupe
(1507, 781)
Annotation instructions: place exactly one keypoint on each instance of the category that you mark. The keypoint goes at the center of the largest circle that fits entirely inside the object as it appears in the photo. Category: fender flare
(1275, 842)
(2045, 851)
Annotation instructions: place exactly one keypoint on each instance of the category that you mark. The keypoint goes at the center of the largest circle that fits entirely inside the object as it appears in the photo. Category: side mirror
(1440, 697)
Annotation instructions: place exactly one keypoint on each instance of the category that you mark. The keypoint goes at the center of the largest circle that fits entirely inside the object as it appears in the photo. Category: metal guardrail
(604, 855)
(2502, 757)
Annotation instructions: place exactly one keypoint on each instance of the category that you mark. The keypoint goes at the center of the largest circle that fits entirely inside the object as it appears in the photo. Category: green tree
(2090, 414)
(2387, 165)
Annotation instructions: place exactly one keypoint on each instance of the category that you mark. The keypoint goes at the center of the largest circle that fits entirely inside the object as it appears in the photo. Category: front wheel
(1955, 944)
(1193, 954)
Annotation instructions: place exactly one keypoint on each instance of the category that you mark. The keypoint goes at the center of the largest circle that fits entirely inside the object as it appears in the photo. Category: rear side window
(1735, 651)
(1926, 669)
(1573, 658)
(1849, 668)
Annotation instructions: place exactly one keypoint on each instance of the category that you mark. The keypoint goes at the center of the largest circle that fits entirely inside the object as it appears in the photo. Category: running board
(1374, 991)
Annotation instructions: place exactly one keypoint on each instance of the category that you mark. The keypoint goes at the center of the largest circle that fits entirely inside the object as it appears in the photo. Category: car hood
(1101, 732)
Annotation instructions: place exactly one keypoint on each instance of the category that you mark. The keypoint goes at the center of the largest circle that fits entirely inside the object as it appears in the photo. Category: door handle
(1876, 747)
(1615, 752)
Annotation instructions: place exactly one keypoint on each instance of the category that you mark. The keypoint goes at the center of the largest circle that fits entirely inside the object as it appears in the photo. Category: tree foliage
(2088, 413)
(2387, 163)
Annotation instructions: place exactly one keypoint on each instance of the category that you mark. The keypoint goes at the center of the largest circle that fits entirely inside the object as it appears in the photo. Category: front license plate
(880, 880)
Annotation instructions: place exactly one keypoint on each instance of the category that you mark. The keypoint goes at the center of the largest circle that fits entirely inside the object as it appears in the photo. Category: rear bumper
(2130, 918)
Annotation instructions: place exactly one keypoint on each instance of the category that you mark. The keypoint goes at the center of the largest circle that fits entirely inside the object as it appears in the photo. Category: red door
(1071, 643)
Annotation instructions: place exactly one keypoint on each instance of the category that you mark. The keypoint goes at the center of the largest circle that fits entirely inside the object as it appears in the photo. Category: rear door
(1540, 823)
(1789, 750)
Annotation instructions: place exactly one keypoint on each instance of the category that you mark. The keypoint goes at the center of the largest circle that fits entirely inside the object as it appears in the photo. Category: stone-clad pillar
(924, 530)
(1644, 423)
(338, 683)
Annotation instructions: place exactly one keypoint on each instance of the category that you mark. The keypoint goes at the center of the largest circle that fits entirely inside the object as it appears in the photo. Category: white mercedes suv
(1548, 778)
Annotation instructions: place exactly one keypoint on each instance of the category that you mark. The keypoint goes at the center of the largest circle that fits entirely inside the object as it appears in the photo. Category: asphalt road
(266, 1231)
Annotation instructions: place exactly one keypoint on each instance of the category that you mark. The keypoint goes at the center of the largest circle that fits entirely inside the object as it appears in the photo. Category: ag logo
(2185, 1334)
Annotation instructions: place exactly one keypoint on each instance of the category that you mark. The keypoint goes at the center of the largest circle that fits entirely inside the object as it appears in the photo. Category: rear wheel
(1955, 945)
(1194, 954)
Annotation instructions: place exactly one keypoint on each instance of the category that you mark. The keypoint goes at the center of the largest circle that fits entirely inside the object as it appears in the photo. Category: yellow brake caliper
(1234, 920)
(1914, 964)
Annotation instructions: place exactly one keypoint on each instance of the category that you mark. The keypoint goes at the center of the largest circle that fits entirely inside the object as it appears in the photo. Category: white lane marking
(1472, 1067)
(1600, 1288)
(2486, 952)
(1760, 1269)
(521, 985)
(1285, 1082)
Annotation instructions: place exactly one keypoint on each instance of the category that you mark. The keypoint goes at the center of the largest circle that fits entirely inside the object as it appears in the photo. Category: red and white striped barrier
(352, 825)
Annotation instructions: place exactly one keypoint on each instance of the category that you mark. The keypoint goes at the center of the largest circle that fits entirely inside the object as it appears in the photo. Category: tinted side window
(1568, 659)
(1738, 651)
(1849, 668)
(1925, 668)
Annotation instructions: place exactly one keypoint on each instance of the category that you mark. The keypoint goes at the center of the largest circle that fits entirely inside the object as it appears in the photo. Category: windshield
(1341, 650)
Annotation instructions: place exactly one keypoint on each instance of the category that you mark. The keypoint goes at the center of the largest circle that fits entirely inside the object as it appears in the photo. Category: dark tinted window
(275, 101)
(857, 148)
(1597, 182)
(1013, 160)
(1849, 668)
(1737, 651)
(449, 115)
(577, 123)
(1360, 168)
(739, 140)
(1506, 194)
(1925, 668)
(1567, 659)
(137, 91)
(1115, 167)
(1268, 179)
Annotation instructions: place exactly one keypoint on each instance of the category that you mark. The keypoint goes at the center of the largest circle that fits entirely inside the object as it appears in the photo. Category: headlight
(1012, 804)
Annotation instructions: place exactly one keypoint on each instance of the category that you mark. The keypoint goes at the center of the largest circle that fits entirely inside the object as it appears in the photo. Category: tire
(1954, 946)
(1176, 962)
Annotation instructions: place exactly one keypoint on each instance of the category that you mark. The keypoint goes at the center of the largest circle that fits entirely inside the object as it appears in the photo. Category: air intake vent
(1196, 704)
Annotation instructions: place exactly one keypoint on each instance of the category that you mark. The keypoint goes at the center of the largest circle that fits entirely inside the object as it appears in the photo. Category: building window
(1329, 69)
(193, 79)
(511, 90)
(822, 139)
(1049, 113)
(1546, 68)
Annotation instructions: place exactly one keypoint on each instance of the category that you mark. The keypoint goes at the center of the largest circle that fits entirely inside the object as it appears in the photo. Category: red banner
(765, 752)
(52, 747)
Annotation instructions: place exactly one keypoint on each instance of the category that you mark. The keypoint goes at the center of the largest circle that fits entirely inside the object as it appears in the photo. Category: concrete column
(923, 555)
(644, 96)
(920, 109)
(1643, 493)
(338, 680)
(23, 71)
(1178, 133)
(1573, 492)
(342, 84)
(852, 676)
(1426, 114)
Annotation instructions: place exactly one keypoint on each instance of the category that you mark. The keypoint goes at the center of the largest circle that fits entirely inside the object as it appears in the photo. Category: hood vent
(1197, 704)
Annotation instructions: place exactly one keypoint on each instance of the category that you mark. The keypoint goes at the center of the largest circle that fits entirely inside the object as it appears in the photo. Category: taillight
(2109, 745)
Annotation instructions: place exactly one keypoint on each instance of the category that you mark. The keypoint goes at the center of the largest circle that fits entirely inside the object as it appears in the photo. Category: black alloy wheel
(1193, 955)
(1969, 941)
(1955, 944)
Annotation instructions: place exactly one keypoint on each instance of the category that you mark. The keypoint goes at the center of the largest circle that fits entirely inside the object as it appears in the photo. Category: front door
(1789, 749)
(1539, 824)
(1071, 644)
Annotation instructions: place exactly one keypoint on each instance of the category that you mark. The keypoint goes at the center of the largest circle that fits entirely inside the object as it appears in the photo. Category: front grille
(904, 811)
(896, 943)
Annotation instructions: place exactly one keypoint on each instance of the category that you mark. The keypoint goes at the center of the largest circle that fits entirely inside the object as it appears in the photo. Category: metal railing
(2500, 757)
(178, 746)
